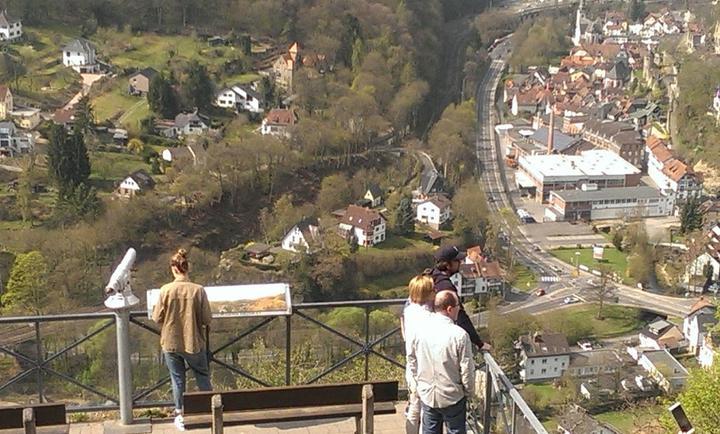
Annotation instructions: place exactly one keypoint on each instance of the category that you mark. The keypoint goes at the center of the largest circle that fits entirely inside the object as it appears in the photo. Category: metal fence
(42, 368)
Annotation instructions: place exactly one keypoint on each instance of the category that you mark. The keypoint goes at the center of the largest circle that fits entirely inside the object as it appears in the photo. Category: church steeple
(578, 32)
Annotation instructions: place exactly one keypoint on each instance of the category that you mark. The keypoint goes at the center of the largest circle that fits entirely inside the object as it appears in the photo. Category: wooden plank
(315, 395)
(288, 415)
(45, 415)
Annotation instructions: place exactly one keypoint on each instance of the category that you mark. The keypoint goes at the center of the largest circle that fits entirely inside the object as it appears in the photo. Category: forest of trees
(384, 54)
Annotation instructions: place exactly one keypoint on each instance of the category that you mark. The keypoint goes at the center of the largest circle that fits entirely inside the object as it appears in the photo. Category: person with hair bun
(183, 313)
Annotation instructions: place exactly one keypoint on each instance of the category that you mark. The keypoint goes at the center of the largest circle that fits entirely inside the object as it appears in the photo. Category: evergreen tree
(690, 216)
(351, 26)
(198, 88)
(84, 115)
(68, 159)
(404, 217)
(72, 205)
(636, 10)
(27, 288)
(161, 97)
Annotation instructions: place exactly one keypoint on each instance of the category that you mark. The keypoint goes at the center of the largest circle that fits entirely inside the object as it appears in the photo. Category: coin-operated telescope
(118, 289)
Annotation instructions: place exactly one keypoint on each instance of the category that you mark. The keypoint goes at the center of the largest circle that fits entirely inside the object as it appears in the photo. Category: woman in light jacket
(416, 311)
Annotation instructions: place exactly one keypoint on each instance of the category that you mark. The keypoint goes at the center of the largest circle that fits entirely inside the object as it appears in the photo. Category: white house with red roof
(669, 172)
(698, 323)
(278, 122)
(366, 225)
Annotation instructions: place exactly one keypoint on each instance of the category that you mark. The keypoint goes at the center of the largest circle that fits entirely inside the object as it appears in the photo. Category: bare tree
(603, 289)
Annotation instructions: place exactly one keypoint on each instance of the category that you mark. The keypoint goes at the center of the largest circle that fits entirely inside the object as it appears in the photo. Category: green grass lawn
(618, 320)
(616, 260)
(523, 278)
(395, 242)
(631, 421)
(125, 110)
(544, 395)
(109, 167)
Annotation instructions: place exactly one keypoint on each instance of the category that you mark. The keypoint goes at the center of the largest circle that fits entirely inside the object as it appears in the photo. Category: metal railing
(30, 350)
(501, 408)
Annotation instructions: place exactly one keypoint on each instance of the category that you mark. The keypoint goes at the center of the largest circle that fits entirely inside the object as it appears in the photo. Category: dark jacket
(442, 282)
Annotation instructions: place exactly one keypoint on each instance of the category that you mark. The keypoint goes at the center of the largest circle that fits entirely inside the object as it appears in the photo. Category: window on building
(532, 362)
(544, 361)
(543, 371)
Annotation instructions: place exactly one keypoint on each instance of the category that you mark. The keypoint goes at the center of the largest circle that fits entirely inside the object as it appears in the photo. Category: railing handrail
(497, 373)
(104, 313)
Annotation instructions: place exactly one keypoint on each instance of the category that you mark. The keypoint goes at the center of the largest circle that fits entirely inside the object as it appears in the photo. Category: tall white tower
(578, 32)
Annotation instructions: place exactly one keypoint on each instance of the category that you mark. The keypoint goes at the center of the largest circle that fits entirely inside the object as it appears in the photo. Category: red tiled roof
(363, 218)
(281, 117)
(701, 303)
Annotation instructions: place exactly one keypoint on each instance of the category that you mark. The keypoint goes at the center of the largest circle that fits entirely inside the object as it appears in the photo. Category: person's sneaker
(179, 423)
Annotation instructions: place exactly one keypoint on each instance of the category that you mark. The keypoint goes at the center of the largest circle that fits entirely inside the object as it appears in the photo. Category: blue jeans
(198, 362)
(453, 417)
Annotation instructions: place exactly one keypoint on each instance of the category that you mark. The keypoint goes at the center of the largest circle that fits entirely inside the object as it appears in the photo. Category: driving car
(540, 292)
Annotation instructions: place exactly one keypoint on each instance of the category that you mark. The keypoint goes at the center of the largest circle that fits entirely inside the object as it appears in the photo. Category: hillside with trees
(246, 186)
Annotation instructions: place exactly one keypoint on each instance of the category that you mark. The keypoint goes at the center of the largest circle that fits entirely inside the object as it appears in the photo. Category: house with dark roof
(139, 82)
(374, 195)
(698, 322)
(366, 226)
(662, 334)
(10, 27)
(479, 276)
(184, 124)
(79, 54)
(302, 237)
(543, 356)
(136, 183)
(240, 97)
(434, 211)
(618, 137)
(705, 268)
(278, 122)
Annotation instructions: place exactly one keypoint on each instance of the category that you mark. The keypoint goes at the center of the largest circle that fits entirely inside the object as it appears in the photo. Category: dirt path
(87, 82)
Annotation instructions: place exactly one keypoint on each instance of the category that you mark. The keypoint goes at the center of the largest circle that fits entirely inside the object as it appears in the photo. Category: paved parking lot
(551, 235)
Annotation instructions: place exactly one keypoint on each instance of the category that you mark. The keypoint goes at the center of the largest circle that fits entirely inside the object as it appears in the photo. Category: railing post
(217, 414)
(122, 329)
(29, 420)
(368, 410)
(288, 348)
(488, 400)
(513, 421)
(367, 342)
(40, 362)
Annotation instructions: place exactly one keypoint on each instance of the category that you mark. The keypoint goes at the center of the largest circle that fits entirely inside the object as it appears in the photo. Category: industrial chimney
(551, 132)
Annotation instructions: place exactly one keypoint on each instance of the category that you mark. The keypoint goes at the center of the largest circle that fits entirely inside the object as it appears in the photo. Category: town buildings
(670, 173)
(605, 204)
(660, 365)
(14, 142)
(11, 28)
(434, 211)
(278, 122)
(139, 82)
(286, 65)
(303, 236)
(136, 183)
(543, 356)
(662, 334)
(619, 137)
(366, 226)
(697, 324)
(79, 54)
(598, 169)
(240, 97)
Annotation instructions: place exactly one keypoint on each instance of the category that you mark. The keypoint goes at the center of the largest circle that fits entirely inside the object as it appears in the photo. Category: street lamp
(577, 263)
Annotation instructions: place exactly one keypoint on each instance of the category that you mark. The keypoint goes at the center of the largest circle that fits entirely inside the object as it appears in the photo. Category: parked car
(570, 300)
(540, 292)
